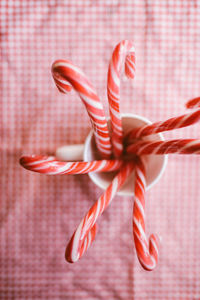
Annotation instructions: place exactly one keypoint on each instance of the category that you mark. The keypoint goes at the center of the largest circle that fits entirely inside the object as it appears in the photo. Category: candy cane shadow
(155, 164)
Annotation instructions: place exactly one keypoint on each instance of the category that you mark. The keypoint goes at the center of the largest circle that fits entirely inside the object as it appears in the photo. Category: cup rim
(126, 193)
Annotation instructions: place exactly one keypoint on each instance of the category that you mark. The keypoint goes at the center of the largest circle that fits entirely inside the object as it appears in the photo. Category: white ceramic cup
(155, 164)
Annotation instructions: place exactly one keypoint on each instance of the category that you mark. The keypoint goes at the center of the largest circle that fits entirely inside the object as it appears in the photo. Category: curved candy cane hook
(65, 75)
(147, 252)
(86, 231)
(124, 52)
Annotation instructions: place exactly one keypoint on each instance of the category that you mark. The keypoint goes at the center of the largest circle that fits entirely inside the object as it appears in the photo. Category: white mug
(155, 164)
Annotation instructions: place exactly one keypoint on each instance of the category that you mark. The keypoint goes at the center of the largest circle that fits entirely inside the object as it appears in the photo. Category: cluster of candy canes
(67, 75)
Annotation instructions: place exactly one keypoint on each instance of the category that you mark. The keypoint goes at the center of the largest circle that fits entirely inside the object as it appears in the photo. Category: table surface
(39, 213)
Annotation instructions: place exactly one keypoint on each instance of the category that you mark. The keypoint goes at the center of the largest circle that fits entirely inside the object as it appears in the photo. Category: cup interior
(155, 164)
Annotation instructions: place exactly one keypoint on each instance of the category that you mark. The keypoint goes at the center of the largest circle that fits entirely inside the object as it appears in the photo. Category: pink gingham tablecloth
(38, 213)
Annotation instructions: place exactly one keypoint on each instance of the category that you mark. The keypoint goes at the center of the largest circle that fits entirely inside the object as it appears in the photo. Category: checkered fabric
(38, 213)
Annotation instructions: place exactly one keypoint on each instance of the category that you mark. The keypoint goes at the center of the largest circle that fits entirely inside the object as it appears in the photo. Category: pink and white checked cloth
(38, 213)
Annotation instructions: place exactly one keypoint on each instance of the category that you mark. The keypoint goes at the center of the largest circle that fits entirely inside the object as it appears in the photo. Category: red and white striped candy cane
(86, 231)
(193, 103)
(147, 252)
(124, 51)
(185, 146)
(170, 124)
(65, 73)
(51, 166)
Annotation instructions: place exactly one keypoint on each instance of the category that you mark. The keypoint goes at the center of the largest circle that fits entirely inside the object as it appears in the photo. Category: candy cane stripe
(147, 252)
(51, 166)
(76, 246)
(69, 73)
(184, 146)
(170, 124)
(123, 52)
(193, 103)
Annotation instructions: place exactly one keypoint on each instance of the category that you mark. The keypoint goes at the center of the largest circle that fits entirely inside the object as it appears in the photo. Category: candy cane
(51, 166)
(123, 51)
(193, 103)
(65, 73)
(170, 124)
(185, 146)
(147, 252)
(86, 231)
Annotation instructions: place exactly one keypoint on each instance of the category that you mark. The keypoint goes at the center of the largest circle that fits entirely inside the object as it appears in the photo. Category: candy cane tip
(68, 257)
(155, 237)
(68, 260)
(27, 158)
(68, 251)
(22, 161)
(58, 62)
(54, 65)
(148, 268)
(193, 103)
